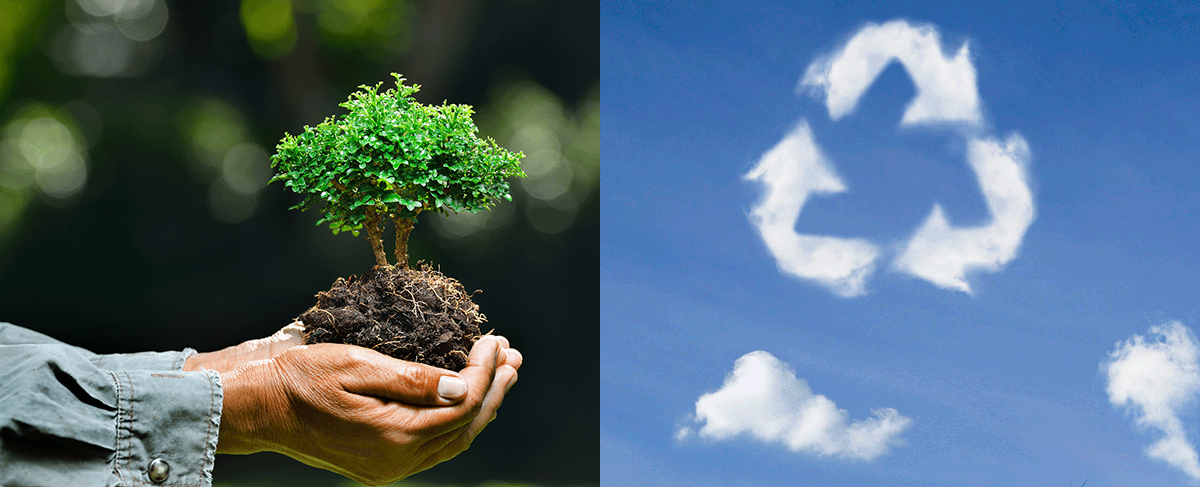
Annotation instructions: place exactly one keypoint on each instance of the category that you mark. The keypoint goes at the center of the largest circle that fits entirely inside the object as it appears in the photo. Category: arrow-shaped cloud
(792, 170)
(942, 254)
(946, 90)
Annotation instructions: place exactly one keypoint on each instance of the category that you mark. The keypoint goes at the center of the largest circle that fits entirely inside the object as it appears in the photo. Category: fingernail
(450, 387)
(510, 384)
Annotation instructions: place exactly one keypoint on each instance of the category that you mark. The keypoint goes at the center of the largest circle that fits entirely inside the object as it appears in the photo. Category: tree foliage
(390, 158)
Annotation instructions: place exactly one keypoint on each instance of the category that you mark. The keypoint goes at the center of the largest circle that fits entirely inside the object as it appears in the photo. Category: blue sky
(1046, 337)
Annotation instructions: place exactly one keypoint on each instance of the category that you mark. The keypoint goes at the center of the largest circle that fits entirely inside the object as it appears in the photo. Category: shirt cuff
(142, 361)
(169, 419)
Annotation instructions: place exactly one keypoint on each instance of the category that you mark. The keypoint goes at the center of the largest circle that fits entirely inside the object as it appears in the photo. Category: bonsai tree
(390, 158)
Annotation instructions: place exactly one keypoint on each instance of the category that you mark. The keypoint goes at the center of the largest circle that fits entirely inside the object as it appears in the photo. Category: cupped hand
(351, 410)
(229, 359)
(292, 335)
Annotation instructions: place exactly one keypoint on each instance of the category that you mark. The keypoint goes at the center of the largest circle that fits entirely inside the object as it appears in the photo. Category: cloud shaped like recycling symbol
(946, 94)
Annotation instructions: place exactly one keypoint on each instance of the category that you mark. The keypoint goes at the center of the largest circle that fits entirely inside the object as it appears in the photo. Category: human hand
(230, 358)
(292, 335)
(357, 412)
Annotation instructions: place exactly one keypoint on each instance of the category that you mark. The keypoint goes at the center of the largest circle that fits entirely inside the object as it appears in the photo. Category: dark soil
(418, 315)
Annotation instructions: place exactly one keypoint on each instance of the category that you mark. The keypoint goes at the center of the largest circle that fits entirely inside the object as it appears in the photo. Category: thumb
(378, 375)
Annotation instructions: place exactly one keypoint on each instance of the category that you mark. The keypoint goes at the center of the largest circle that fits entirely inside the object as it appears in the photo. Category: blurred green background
(135, 214)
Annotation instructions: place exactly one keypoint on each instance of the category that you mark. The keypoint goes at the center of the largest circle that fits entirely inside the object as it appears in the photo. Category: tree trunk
(403, 227)
(375, 236)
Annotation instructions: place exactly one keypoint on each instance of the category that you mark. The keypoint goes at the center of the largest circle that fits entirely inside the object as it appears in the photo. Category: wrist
(231, 358)
(244, 414)
(222, 361)
(198, 361)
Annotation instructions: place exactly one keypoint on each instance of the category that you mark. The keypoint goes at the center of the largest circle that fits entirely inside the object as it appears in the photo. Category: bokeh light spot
(11, 206)
(213, 128)
(459, 225)
(224, 157)
(561, 146)
(41, 151)
(230, 206)
(548, 175)
(109, 38)
(551, 216)
(246, 168)
(143, 24)
(269, 26)
(103, 52)
(377, 27)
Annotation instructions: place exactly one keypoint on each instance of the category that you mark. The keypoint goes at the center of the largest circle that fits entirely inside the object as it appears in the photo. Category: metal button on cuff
(159, 470)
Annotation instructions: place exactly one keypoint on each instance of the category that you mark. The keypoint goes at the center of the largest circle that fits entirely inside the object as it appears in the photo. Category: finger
(479, 372)
(513, 358)
(375, 374)
(442, 448)
(509, 355)
(459, 440)
(481, 365)
(506, 376)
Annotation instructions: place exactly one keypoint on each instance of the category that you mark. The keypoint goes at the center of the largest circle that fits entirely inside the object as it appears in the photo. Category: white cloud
(763, 398)
(946, 93)
(791, 171)
(946, 89)
(1154, 380)
(942, 254)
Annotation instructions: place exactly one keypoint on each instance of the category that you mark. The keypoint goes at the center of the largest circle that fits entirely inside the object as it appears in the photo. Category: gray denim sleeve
(66, 421)
(11, 334)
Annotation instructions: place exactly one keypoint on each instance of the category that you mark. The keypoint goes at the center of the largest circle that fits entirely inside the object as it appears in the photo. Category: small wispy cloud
(946, 87)
(790, 172)
(1154, 380)
(942, 254)
(764, 399)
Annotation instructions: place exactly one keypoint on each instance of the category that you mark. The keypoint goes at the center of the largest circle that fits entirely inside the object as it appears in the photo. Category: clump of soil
(418, 315)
